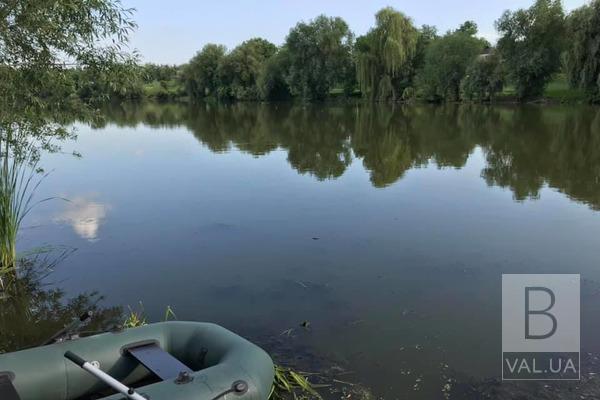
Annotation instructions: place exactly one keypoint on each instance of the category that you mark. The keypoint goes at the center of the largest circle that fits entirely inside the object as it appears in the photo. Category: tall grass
(18, 184)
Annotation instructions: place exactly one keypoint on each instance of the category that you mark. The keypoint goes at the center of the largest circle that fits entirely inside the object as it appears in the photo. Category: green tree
(446, 61)
(530, 45)
(272, 83)
(427, 34)
(582, 58)
(385, 55)
(483, 79)
(201, 74)
(240, 69)
(40, 41)
(319, 54)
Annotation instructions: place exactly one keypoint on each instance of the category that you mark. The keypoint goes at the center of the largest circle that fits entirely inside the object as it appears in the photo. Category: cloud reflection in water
(85, 217)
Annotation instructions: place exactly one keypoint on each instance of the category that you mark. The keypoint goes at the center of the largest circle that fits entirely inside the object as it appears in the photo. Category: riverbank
(558, 91)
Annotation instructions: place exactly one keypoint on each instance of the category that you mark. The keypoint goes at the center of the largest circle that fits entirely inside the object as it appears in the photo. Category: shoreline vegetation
(543, 55)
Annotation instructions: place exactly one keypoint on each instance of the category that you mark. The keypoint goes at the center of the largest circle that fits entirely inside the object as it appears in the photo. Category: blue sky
(173, 31)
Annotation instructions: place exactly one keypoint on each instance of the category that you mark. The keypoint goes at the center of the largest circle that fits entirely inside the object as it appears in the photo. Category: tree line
(393, 61)
(396, 60)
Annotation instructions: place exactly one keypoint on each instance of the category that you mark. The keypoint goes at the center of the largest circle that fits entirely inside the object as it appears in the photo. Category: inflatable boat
(169, 360)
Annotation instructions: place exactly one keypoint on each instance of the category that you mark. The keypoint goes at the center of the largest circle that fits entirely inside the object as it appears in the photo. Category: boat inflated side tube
(130, 393)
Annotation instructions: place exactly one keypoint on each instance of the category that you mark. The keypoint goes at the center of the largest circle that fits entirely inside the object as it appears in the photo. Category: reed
(19, 180)
(292, 384)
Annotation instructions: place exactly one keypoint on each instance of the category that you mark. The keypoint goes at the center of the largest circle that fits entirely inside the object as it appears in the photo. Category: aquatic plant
(18, 183)
(288, 382)
(137, 318)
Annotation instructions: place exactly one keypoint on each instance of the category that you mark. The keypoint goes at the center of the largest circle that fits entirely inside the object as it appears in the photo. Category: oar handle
(128, 392)
(75, 358)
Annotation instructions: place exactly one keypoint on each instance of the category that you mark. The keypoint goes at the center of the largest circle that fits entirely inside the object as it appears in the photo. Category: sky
(171, 32)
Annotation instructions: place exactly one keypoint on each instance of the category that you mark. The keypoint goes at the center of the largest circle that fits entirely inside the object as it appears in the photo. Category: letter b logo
(545, 312)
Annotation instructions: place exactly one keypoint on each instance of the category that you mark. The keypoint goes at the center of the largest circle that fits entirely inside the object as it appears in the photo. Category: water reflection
(31, 311)
(85, 217)
(525, 148)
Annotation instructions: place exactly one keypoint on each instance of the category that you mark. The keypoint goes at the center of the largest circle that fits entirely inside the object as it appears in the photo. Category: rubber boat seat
(158, 361)
(7, 390)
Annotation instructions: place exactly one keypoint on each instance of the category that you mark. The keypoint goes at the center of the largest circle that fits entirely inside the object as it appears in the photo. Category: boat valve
(239, 387)
(183, 378)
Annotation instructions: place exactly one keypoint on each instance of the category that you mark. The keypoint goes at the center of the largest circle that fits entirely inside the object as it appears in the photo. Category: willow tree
(582, 58)
(384, 56)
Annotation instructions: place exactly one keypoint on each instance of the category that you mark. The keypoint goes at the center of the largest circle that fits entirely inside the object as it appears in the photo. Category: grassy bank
(557, 90)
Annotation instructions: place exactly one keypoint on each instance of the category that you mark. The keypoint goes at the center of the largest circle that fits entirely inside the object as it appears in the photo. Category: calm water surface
(387, 229)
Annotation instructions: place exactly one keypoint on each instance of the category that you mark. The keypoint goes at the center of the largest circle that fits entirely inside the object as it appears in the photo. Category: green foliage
(530, 45)
(446, 61)
(40, 40)
(582, 58)
(271, 82)
(123, 81)
(483, 79)
(201, 74)
(559, 89)
(386, 54)
(319, 58)
(427, 34)
(239, 70)
(319, 54)
(161, 82)
(161, 73)
(164, 90)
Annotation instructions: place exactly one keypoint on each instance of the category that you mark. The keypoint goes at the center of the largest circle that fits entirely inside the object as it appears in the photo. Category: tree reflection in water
(525, 147)
(31, 310)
